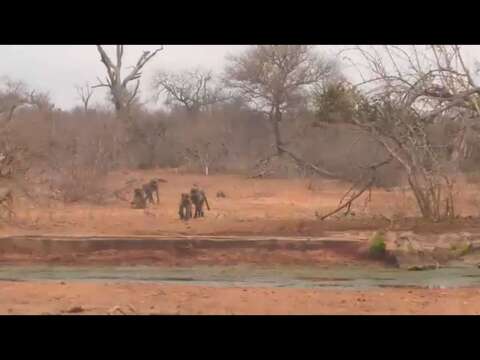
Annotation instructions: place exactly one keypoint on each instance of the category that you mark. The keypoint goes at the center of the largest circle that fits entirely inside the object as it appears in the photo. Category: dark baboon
(138, 201)
(149, 189)
(185, 209)
(198, 199)
(221, 194)
(6, 200)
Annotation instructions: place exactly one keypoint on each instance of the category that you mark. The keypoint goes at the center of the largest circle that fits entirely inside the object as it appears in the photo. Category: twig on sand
(116, 309)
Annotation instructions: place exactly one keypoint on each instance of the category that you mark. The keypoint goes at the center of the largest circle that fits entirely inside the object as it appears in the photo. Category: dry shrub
(159, 139)
(401, 204)
(343, 151)
(84, 184)
(77, 149)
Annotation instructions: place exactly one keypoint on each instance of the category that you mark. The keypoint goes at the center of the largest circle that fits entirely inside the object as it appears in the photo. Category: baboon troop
(185, 210)
(195, 198)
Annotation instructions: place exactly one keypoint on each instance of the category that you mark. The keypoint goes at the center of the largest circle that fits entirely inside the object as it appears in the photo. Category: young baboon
(150, 188)
(185, 210)
(138, 201)
(198, 199)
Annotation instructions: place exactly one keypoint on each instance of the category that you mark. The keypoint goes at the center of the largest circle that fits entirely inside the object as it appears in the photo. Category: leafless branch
(85, 93)
(407, 90)
(351, 200)
(194, 89)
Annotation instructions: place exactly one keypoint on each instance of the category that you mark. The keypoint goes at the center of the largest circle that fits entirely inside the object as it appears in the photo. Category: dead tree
(272, 79)
(195, 90)
(85, 93)
(41, 100)
(15, 94)
(122, 95)
(406, 90)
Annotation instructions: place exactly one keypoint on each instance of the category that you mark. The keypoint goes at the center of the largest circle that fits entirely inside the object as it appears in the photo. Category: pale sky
(58, 68)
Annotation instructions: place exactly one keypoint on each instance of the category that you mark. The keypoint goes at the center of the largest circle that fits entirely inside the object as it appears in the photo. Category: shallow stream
(254, 276)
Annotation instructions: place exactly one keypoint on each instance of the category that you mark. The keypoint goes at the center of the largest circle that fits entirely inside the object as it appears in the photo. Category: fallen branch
(368, 186)
(349, 191)
(300, 162)
(262, 164)
(307, 164)
(352, 199)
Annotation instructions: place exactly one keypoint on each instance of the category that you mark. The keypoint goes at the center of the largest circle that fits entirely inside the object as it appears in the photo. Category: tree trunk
(117, 95)
(118, 107)
(277, 118)
(429, 198)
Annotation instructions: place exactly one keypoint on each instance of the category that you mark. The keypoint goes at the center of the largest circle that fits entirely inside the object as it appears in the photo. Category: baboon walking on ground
(185, 210)
(138, 201)
(150, 188)
(198, 199)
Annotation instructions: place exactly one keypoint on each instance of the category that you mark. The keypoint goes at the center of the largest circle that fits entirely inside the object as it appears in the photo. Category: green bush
(461, 250)
(377, 245)
(466, 249)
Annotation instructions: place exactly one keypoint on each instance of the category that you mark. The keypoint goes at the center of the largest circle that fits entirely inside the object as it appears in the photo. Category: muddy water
(249, 276)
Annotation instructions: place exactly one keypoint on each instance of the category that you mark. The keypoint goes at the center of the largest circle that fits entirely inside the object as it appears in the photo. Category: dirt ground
(271, 207)
(251, 207)
(153, 299)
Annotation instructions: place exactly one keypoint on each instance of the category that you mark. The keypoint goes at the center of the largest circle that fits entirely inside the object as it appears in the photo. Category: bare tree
(12, 97)
(194, 90)
(403, 92)
(85, 93)
(275, 78)
(122, 95)
(42, 101)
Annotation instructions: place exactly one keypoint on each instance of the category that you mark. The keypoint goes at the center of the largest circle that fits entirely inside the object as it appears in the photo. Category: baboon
(6, 200)
(221, 194)
(150, 188)
(138, 201)
(198, 199)
(185, 209)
